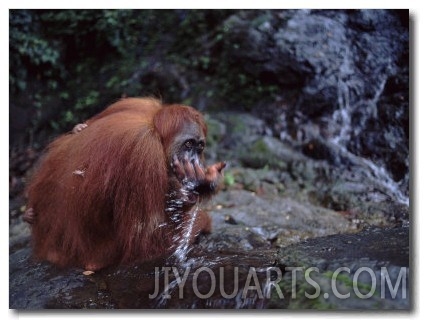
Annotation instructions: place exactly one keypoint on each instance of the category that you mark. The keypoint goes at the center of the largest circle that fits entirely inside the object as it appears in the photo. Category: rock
(265, 152)
(343, 77)
(390, 246)
(216, 131)
(272, 217)
(368, 270)
(264, 225)
(317, 171)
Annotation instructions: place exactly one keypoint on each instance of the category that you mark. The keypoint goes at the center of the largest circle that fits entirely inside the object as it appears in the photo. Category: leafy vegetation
(66, 65)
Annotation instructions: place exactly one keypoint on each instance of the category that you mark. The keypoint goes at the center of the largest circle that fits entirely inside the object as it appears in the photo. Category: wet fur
(99, 195)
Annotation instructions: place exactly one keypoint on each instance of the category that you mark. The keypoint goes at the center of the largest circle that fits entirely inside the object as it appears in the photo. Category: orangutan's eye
(201, 146)
(189, 144)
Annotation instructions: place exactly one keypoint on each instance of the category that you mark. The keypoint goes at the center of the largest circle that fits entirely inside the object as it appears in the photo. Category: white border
(421, 70)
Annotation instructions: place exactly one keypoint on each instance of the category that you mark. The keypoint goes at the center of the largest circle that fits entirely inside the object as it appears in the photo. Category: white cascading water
(185, 237)
(183, 224)
(342, 116)
(182, 237)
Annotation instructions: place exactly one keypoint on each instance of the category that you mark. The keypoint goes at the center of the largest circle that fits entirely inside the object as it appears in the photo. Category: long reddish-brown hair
(99, 195)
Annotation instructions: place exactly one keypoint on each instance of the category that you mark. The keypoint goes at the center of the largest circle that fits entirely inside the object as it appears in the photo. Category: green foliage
(229, 178)
(66, 65)
(30, 52)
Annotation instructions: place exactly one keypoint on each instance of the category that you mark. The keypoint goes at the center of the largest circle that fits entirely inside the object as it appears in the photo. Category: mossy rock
(263, 153)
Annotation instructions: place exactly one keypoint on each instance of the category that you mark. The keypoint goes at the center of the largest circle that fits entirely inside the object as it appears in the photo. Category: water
(182, 239)
(378, 175)
(194, 279)
(343, 116)
(186, 236)
(233, 281)
(183, 221)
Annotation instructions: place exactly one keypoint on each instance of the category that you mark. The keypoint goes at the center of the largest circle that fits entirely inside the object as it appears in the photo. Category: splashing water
(183, 246)
(183, 234)
(184, 222)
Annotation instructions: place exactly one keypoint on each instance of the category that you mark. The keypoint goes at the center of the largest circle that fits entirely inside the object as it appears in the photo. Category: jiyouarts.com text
(342, 283)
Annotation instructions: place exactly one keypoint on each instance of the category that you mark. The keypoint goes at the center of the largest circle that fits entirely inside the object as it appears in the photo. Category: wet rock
(19, 234)
(274, 219)
(317, 150)
(343, 77)
(386, 245)
(152, 285)
(369, 270)
(319, 172)
(264, 226)
(33, 285)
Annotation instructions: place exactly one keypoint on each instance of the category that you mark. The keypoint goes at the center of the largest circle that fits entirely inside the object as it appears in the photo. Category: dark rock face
(345, 78)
